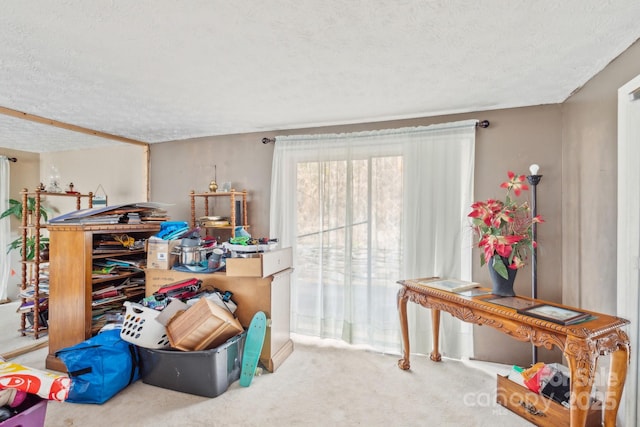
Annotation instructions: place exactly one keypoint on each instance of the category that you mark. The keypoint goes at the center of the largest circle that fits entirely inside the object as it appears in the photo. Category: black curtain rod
(482, 124)
(12, 159)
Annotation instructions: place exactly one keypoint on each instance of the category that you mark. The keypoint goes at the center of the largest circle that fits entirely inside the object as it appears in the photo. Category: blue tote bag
(100, 367)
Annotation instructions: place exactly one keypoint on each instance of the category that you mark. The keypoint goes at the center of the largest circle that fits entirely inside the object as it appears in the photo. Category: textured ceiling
(160, 70)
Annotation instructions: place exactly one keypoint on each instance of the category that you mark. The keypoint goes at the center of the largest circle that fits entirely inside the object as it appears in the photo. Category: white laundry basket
(142, 328)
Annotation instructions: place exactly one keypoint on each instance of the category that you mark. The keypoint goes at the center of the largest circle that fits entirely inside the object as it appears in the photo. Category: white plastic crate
(145, 327)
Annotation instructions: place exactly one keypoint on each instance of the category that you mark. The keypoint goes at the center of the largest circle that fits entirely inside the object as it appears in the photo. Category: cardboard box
(251, 294)
(159, 253)
(260, 265)
(157, 278)
(204, 373)
(202, 326)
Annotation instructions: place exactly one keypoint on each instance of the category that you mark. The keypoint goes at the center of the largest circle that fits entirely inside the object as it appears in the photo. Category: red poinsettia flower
(517, 263)
(485, 211)
(516, 183)
(504, 228)
(537, 219)
(498, 245)
(502, 216)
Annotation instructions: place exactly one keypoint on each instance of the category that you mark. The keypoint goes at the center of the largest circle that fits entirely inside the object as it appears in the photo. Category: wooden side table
(581, 343)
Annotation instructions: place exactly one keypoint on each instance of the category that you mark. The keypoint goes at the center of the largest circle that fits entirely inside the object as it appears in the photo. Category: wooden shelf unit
(71, 282)
(232, 195)
(31, 225)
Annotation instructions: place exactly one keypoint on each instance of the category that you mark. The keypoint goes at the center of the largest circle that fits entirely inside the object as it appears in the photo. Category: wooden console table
(581, 343)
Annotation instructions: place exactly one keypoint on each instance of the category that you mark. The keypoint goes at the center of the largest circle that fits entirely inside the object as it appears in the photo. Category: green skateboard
(253, 348)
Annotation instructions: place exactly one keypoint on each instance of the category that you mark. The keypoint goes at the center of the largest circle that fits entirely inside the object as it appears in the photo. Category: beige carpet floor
(10, 338)
(323, 383)
(320, 384)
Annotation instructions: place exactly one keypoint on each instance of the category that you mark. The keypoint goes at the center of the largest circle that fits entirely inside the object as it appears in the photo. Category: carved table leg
(435, 325)
(617, 376)
(581, 357)
(404, 327)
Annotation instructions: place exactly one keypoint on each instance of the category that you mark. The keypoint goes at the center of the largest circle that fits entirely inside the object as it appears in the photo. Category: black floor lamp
(534, 179)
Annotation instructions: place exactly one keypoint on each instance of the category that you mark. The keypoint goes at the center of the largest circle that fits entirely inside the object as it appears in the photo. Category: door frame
(628, 259)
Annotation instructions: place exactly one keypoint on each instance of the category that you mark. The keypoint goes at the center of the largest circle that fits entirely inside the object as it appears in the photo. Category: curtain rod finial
(268, 140)
(484, 124)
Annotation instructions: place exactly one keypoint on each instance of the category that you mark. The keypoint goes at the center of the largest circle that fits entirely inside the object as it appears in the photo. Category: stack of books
(127, 213)
(110, 293)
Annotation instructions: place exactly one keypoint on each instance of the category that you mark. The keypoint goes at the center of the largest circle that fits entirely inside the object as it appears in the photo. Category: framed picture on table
(553, 313)
(512, 302)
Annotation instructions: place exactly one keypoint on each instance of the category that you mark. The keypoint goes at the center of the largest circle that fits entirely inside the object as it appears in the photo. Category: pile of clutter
(182, 337)
(180, 248)
(24, 393)
(189, 339)
(10, 398)
(549, 380)
(182, 316)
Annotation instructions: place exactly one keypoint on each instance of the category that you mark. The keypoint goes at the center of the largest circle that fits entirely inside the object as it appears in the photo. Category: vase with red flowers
(504, 232)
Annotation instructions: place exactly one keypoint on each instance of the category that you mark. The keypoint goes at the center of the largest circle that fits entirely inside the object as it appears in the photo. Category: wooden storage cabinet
(71, 259)
(277, 342)
(272, 296)
(261, 264)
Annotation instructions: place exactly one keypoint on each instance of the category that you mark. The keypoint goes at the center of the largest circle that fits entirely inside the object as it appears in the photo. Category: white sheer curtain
(5, 262)
(363, 210)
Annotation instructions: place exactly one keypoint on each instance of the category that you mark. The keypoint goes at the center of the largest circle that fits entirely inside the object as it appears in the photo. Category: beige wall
(181, 166)
(121, 170)
(589, 183)
(521, 137)
(516, 139)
